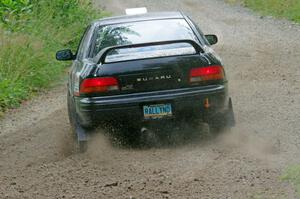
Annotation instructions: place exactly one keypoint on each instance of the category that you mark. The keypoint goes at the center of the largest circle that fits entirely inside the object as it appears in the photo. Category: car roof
(139, 17)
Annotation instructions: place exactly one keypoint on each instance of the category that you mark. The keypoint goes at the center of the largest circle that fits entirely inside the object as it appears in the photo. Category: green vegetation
(292, 175)
(289, 9)
(30, 33)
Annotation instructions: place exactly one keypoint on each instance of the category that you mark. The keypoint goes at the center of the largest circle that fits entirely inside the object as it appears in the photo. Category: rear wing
(101, 56)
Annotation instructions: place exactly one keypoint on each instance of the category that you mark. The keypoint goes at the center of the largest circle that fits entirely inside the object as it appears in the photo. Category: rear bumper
(186, 102)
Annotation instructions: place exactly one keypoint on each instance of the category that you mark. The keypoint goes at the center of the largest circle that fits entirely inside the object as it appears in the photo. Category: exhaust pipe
(144, 130)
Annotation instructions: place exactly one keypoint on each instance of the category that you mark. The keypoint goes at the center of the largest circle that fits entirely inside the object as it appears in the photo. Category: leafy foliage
(31, 31)
(14, 12)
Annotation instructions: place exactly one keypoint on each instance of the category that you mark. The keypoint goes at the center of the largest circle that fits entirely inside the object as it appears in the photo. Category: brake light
(206, 74)
(99, 85)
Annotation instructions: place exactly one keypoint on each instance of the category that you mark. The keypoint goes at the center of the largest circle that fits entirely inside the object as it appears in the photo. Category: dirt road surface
(262, 57)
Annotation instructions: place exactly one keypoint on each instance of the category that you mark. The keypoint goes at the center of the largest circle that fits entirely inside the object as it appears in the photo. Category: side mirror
(65, 55)
(212, 39)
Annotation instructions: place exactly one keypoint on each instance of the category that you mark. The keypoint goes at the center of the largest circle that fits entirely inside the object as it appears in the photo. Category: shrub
(30, 33)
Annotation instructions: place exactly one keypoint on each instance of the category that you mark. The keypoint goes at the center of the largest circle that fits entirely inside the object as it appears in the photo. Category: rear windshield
(142, 32)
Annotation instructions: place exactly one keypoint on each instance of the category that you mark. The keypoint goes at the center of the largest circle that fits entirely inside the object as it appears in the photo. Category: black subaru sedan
(143, 69)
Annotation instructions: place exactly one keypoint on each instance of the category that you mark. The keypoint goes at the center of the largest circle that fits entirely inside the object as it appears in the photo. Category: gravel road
(262, 57)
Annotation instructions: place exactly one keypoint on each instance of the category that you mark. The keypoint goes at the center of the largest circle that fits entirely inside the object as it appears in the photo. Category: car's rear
(149, 70)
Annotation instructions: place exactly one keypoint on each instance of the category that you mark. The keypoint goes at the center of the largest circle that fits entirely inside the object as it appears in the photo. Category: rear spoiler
(100, 57)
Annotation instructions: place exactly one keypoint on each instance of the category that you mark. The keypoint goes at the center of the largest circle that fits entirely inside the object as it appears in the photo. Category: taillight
(99, 85)
(206, 73)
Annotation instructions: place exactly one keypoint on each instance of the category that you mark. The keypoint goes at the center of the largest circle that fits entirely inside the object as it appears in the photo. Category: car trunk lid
(152, 74)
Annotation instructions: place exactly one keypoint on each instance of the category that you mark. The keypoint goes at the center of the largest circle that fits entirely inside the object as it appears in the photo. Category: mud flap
(222, 121)
(230, 114)
(81, 138)
(81, 133)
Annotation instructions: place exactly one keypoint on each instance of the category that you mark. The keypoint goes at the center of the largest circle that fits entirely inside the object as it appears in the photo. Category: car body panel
(145, 81)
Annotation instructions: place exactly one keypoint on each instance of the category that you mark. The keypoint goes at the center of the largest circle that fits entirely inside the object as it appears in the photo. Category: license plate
(157, 111)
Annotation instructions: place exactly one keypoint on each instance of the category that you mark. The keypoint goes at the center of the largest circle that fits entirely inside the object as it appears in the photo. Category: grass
(292, 175)
(31, 31)
(288, 9)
